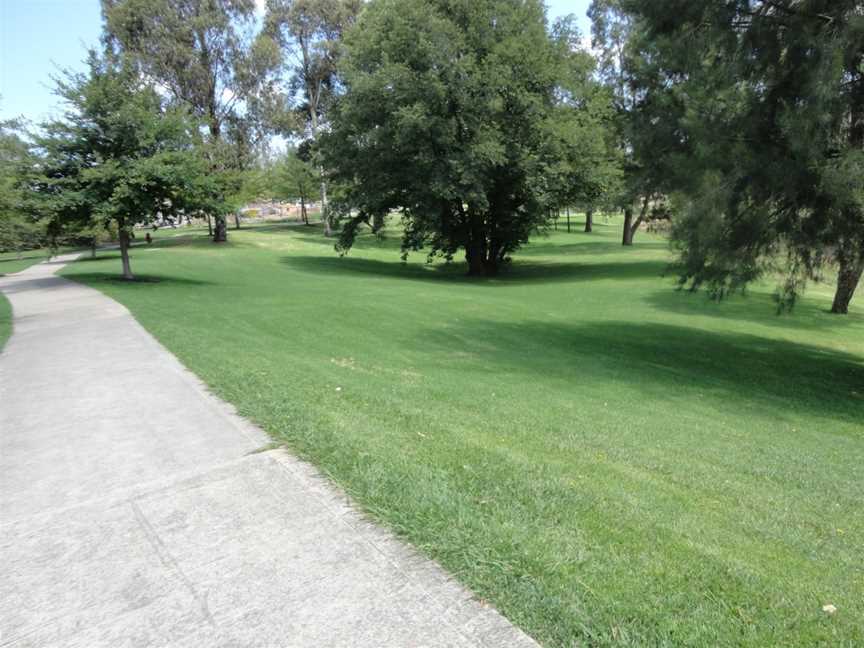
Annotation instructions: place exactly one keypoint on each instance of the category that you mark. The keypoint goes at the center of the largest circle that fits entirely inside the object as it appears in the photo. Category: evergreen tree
(775, 136)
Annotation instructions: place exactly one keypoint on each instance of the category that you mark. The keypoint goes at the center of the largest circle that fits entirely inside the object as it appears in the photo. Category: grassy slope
(607, 460)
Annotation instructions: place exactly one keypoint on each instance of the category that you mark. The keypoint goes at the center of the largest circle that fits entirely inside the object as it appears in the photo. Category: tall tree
(449, 116)
(117, 157)
(210, 55)
(18, 229)
(645, 115)
(588, 170)
(310, 32)
(292, 178)
(776, 125)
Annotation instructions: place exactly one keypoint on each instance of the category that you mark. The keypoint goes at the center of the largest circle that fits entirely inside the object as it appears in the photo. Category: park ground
(605, 459)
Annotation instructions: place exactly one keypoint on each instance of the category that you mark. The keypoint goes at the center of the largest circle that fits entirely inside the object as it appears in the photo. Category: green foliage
(310, 34)
(586, 161)
(208, 54)
(215, 60)
(18, 230)
(451, 115)
(292, 178)
(118, 156)
(774, 132)
(645, 122)
(607, 461)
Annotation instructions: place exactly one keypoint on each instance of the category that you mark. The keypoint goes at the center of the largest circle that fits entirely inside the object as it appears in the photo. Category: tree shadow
(758, 308)
(519, 272)
(588, 247)
(92, 278)
(659, 359)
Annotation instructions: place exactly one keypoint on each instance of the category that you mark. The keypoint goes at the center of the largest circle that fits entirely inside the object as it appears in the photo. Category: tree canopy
(771, 130)
(450, 115)
(118, 156)
(212, 58)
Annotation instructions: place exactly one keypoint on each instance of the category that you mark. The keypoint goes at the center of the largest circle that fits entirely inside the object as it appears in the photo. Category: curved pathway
(135, 510)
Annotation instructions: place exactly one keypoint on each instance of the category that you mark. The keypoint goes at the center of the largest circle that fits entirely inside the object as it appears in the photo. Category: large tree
(645, 120)
(587, 168)
(449, 116)
(211, 56)
(775, 124)
(19, 230)
(310, 33)
(117, 157)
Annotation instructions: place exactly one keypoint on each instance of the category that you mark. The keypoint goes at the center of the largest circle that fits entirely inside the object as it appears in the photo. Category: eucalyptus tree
(775, 123)
(310, 34)
(209, 55)
(589, 159)
(646, 115)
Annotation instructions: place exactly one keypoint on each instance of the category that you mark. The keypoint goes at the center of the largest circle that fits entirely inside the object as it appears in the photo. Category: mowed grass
(606, 460)
(11, 262)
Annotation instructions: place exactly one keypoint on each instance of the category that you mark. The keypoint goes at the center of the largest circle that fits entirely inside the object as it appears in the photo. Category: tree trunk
(377, 222)
(847, 281)
(93, 247)
(631, 226)
(628, 227)
(124, 253)
(474, 256)
(303, 215)
(220, 232)
(325, 209)
(209, 225)
(589, 220)
(237, 219)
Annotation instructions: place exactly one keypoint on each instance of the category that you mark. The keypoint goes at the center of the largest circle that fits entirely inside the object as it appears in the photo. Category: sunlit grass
(607, 460)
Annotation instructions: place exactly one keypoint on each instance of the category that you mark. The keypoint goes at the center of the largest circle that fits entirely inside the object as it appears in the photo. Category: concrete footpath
(134, 510)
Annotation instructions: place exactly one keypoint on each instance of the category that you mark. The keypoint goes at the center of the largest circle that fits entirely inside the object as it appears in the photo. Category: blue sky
(38, 36)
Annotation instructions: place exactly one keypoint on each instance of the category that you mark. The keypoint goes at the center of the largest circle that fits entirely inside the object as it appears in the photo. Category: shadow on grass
(588, 246)
(658, 360)
(519, 272)
(758, 308)
(91, 278)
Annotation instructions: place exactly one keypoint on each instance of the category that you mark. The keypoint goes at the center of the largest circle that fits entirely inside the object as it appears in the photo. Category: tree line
(739, 121)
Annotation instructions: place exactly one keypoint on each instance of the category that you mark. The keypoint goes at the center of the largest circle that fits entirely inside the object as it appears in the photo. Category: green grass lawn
(10, 263)
(606, 460)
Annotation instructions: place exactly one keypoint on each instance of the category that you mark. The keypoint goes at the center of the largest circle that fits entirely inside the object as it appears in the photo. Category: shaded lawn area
(606, 460)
